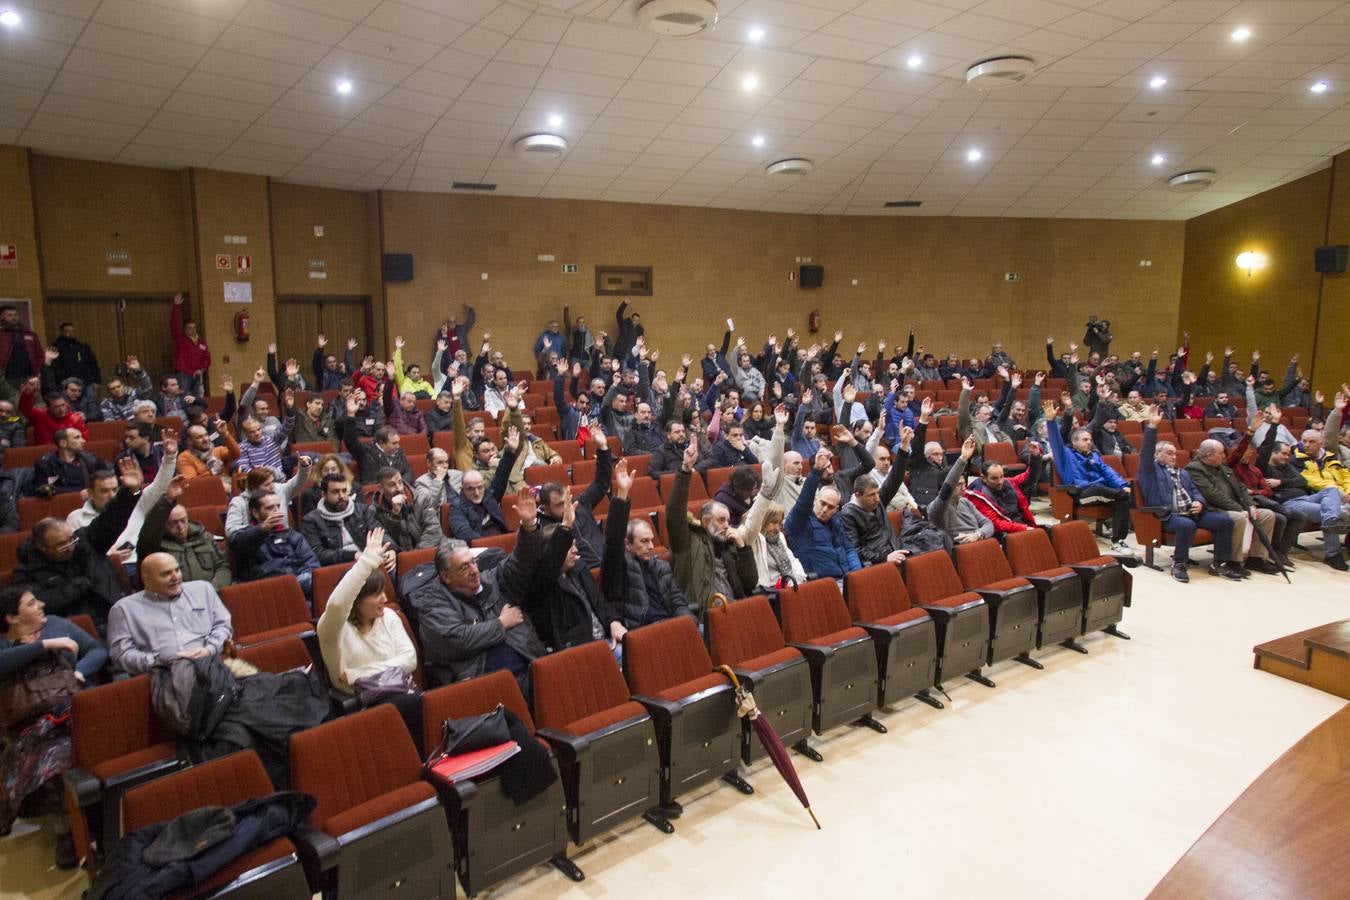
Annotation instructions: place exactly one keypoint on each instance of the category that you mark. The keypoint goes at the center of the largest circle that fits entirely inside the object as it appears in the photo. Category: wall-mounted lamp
(1251, 261)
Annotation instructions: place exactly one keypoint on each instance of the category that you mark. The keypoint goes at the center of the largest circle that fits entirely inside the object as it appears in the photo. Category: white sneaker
(1121, 547)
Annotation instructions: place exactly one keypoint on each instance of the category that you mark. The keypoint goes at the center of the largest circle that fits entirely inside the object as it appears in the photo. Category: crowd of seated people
(606, 493)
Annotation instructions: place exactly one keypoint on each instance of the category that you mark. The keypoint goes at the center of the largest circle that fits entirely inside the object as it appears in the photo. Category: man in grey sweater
(952, 512)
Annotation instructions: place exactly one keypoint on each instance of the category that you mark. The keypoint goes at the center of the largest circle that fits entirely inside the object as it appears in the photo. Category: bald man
(169, 619)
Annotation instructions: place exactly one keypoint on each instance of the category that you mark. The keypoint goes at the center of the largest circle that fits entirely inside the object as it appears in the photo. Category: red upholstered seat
(744, 632)
(876, 592)
(605, 718)
(378, 807)
(909, 615)
(813, 612)
(579, 687)
(665, 655)
(776, 657)
(266, 609)
(693, 686)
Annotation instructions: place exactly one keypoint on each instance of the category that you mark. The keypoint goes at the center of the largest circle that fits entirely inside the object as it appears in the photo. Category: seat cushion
(908, 615)
(606, 717)
(379, 807)
(766, 660)
(273, 634)
(956, 600)
(689, 688)
(275, 849)
(1098, 561)
(1057, 572)
(1007, 584)
(120, 764)
(836, 637)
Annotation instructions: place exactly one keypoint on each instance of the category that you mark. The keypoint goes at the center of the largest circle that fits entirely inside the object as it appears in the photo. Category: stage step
(1284, 837)
(1318, 657)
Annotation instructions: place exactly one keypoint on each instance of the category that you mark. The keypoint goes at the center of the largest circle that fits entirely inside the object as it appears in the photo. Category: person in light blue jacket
(1079, 465)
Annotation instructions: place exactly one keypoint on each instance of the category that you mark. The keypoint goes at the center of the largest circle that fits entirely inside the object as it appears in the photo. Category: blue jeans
(1183, 533)
(1323, 507)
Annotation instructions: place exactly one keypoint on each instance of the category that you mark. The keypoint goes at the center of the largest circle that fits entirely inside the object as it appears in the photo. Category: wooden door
(96, 324)
(145, 334)
(301, 319)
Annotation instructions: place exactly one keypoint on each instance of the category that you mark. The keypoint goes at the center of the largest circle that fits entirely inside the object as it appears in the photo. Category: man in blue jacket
(814, 530)
(1081, 466)
(1165, 486)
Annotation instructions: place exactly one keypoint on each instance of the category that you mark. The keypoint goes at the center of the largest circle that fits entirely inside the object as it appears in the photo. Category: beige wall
(1333, 327)
(944, 275)
(343, 248)
(17, 227)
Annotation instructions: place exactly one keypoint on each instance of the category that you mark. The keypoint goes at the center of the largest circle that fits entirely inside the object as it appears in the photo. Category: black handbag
(39, 687)
(471, 733)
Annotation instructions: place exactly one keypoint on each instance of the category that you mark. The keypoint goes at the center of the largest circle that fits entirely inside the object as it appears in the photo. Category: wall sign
(238, 292)
(9, 256)
(223, 261)
(243, 265)
(118, 256)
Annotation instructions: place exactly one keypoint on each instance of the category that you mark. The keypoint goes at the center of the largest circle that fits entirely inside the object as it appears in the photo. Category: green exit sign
(570, 268)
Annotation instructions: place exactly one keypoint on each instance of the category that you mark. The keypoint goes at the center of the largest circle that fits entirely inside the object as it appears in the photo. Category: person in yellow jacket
(410, 379)
(1322, 468)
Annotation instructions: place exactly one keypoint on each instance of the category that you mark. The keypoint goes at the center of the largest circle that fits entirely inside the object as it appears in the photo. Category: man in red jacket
(191, 358)
(21, 351)
(1000, 499)
(55, 416)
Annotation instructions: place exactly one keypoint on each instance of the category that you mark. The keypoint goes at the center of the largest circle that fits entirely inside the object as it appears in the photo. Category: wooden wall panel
(1275, 308)
(17, 227)
(85, 209)
(944, 275)
(343, 247)
(1333, 329)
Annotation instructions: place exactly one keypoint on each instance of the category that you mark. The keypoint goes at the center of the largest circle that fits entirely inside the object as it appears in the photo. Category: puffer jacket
(822, 547)
(625, 585)
(262, 554)
(325, 535)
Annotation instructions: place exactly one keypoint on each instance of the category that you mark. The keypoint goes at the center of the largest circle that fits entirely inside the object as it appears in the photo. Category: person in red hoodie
(191, 358)
(1000, 499)
(55, 416)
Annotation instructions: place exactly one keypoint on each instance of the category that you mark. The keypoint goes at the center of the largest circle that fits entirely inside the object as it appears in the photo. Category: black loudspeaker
(398, 267)
(1331, 260)
(811, 276)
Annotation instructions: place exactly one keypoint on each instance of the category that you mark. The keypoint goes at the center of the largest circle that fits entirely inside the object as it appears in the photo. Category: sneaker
(1223, 571)
(1121, 547)
(1337, 562)
(1180, 574)
(65, 852)
(1336, 527)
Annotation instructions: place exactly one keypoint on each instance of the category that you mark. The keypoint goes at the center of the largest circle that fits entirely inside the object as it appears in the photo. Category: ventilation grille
(472, 186)
(902, 204)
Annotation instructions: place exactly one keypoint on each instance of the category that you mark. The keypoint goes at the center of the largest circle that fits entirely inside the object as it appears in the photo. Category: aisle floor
(1090, 778)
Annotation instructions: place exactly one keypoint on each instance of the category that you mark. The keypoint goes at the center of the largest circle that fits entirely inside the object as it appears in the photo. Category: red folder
(467, 766)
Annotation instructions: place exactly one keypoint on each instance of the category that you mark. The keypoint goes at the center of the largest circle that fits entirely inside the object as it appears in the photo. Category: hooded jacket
(986, 501)
(694, 554)
(198, 556)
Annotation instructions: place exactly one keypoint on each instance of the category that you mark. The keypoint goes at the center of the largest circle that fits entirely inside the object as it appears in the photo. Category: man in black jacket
(69, 570)
(643, 584)
(74, 359)
(383, 450)
(554, 499)
(476, 511)
(666, 458)
(68, 467)
(270, 547)
(337, 527)
(865, 516)
(564, 601)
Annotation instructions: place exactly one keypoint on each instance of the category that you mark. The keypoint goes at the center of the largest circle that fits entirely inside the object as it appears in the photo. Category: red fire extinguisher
(241, 326)
(813, 321)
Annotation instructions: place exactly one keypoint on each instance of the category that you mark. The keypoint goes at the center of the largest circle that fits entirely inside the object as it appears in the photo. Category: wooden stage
(1285, 837)
(1318, 657)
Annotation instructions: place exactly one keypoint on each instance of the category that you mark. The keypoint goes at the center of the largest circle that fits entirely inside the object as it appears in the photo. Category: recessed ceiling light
(555, 120)
(1157, 82)
(1319, 88)
(1241, 34)
(914, 61)
(344, 87)
(756, 35)
(10, 18)
(1159, 159)
(758, 140)
(750, 82)
(973, 155)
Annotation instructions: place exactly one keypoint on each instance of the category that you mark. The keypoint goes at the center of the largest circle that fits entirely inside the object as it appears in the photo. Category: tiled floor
(1088, 779)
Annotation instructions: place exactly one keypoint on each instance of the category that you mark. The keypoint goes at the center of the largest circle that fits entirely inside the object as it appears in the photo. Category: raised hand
(968, 448)
(925, 409)
(399, 343)
(906, 437)
(51, 354)
(527, 508)
(511, 438)
(178, 299)
(169, 439)
(842, 435)
(1003, 373)
(966, 383)
(623, 479)
(322, 340)
(129, 474)
(1154, 416)
(375, 539)
(838, 336)
(272, 348)
(352, 343)
(227, 384)
(780, 415)
(569, 516)
(292, 368)
(823, 461)
(686, 361)
(598, 438)
(1050, 409)
(1256, 356)
(1016, 380)
(690, 457)
(176, 487)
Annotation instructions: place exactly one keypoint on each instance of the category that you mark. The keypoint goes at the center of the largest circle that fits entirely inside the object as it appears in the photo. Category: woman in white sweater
(360, 637)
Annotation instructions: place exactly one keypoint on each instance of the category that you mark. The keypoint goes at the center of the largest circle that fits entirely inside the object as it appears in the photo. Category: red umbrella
(747, 707)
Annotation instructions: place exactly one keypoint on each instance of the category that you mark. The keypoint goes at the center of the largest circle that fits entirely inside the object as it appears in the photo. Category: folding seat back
(34, 509)
(1014, 614)
(267, 609)
(414, 445)
(905, 638)
(379, 824)
(842, 659)
(643, 494)
(116, 743)
(211, 518)
(1191, 440)
(208, 491)
(1106, 583)
(570, 451)
(1031, 556)
(604, 740)
(583, 472)
(694, 708)
(961, 616)
(278, 656)
(106, 431)
(1005, 454)
(411, 559)
(745, 636)
(715, 478)
(104, 450)
(9, 550)
(271, 870)
(1181, 426)
(544, 474)
(697, 489)
(25, 457)
(504, 542)
(639, 464)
